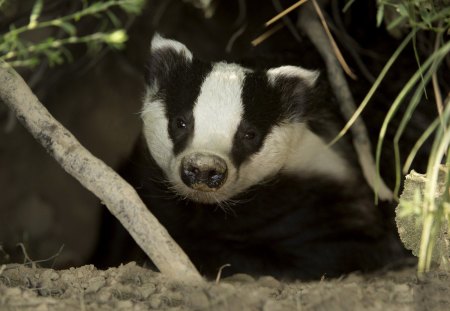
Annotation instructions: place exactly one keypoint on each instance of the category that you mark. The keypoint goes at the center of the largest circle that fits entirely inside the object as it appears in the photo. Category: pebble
(155, 302)
(147, 289)
(54, 276)
(198, 300)
(104, 296)
(95, 284)
(269, 281)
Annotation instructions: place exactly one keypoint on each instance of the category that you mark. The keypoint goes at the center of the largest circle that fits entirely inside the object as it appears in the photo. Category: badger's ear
(283, 73)
(166, 56)
(297, 88)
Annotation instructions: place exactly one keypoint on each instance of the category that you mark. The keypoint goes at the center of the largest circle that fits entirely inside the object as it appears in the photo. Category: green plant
(19, 52)
(419, 17)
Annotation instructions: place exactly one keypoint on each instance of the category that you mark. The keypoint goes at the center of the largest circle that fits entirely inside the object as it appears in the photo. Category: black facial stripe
(262, 110)
(179, 82)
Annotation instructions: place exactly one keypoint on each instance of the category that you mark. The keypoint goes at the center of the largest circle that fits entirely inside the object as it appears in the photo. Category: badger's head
(216, 129)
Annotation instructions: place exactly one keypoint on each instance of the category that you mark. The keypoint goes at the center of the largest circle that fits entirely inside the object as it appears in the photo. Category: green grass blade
(415, 100)
(374, 87)
(432, 213)
(418, 145)
(35, 13)
(347, 5)
(417, 57)
(404, 122)
(440, 146)
(440, 53)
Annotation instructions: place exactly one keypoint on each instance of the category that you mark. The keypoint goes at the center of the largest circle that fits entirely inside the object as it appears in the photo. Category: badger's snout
(203, 172)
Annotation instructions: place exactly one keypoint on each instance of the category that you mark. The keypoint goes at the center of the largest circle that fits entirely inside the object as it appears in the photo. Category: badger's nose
(204, 172)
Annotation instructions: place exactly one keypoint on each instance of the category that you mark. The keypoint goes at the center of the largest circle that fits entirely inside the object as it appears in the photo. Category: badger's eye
(249, 135)
(181, 124)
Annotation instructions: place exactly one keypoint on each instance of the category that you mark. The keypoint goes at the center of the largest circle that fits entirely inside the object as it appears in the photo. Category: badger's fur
(235, 163)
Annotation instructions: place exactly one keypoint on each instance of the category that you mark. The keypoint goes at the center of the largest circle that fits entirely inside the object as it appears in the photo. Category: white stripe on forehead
(218, 110)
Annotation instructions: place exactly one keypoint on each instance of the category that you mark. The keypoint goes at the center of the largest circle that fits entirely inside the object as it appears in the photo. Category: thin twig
(336, 50)
(287, 21)
(287, 11)
(26, 258)
(219, 274)
(266, 35)
(120, 198)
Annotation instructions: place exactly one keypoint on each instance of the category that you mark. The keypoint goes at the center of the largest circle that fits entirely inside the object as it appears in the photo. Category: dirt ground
(131, 287)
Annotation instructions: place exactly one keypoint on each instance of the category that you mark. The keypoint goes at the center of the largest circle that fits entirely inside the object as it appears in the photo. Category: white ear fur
(159, 42)
(309, 76)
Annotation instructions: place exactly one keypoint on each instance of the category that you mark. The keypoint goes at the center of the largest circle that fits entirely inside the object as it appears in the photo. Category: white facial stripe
(218, 110)
(309, 76)
(159, 42)
(156, 133)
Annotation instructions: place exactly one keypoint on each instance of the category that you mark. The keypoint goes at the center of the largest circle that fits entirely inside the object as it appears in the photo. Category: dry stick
(266, 35)
(120, 198)
(286, 11)
(311, 25)
(334, 45)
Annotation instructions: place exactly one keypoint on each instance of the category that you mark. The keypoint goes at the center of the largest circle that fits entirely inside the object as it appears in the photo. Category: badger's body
(235, 164)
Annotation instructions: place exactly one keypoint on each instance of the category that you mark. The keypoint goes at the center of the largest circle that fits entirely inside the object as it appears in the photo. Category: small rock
(198, 300)
(269, 281)
(147, 289)
(54, 276)
(174, 299)
(95, 284)
(155, 302)
(353, 278)
(104, 296)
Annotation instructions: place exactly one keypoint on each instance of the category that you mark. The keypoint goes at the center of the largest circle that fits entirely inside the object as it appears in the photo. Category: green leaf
(380, 14)
(135, 6)
(70, 29)
(113, 18)
(35, 13)
(2, 3)
(402, 10)
(397, 21)
(347, 5)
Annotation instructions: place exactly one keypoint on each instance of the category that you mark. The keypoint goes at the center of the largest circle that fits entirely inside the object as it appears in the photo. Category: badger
(235, 163)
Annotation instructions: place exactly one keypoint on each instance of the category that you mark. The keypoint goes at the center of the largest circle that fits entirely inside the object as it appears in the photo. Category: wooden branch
(309, 22)
(120, 198)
